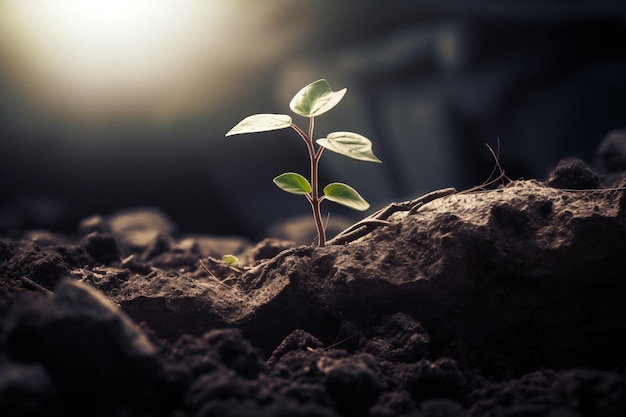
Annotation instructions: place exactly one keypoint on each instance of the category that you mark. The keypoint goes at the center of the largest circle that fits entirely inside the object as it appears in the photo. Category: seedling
(228, 263)
(314, 100)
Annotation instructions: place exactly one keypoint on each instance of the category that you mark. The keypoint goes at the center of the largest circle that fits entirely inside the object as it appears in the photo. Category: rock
(214, 246)
(165, 252)
(84, 342)
(102, 247)
(573, 174)
(136, 228)
(43, 266)
(159, 245)
(95, 223)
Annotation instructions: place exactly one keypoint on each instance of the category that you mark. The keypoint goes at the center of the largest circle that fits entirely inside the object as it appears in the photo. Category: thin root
(377, 219)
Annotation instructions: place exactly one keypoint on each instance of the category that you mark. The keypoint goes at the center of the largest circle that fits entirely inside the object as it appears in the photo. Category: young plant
(314, 100)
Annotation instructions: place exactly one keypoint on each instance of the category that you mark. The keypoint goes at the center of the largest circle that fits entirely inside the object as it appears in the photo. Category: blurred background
(112, 104)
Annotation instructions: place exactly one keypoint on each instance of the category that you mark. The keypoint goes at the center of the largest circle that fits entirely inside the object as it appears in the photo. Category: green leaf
(261, 123)
(345, 195)
(230, 260)
(293, 183)
(315, 99)
(349, 144)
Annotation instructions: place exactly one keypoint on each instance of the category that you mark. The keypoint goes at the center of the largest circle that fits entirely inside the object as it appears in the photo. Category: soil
(500, 302)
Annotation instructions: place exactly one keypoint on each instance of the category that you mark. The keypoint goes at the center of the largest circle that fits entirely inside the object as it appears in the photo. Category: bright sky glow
(102, 58)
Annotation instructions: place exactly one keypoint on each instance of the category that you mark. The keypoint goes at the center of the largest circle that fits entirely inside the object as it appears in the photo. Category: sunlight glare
(98, 58)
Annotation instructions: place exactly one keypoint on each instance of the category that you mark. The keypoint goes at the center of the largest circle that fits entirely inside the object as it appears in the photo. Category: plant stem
(314, 198)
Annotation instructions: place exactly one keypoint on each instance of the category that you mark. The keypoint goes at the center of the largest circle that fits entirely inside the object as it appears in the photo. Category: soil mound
(488, 303)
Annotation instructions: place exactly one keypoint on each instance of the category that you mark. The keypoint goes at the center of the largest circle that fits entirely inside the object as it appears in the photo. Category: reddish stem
(314, 198)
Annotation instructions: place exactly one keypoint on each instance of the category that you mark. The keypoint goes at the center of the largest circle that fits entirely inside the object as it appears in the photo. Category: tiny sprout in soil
(314, 100)
(230, 260)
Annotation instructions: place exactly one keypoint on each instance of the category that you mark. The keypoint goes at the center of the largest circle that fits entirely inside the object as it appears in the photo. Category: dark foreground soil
(506, 302)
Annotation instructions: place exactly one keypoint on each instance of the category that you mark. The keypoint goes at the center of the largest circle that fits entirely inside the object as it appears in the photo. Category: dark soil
(501, 302)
